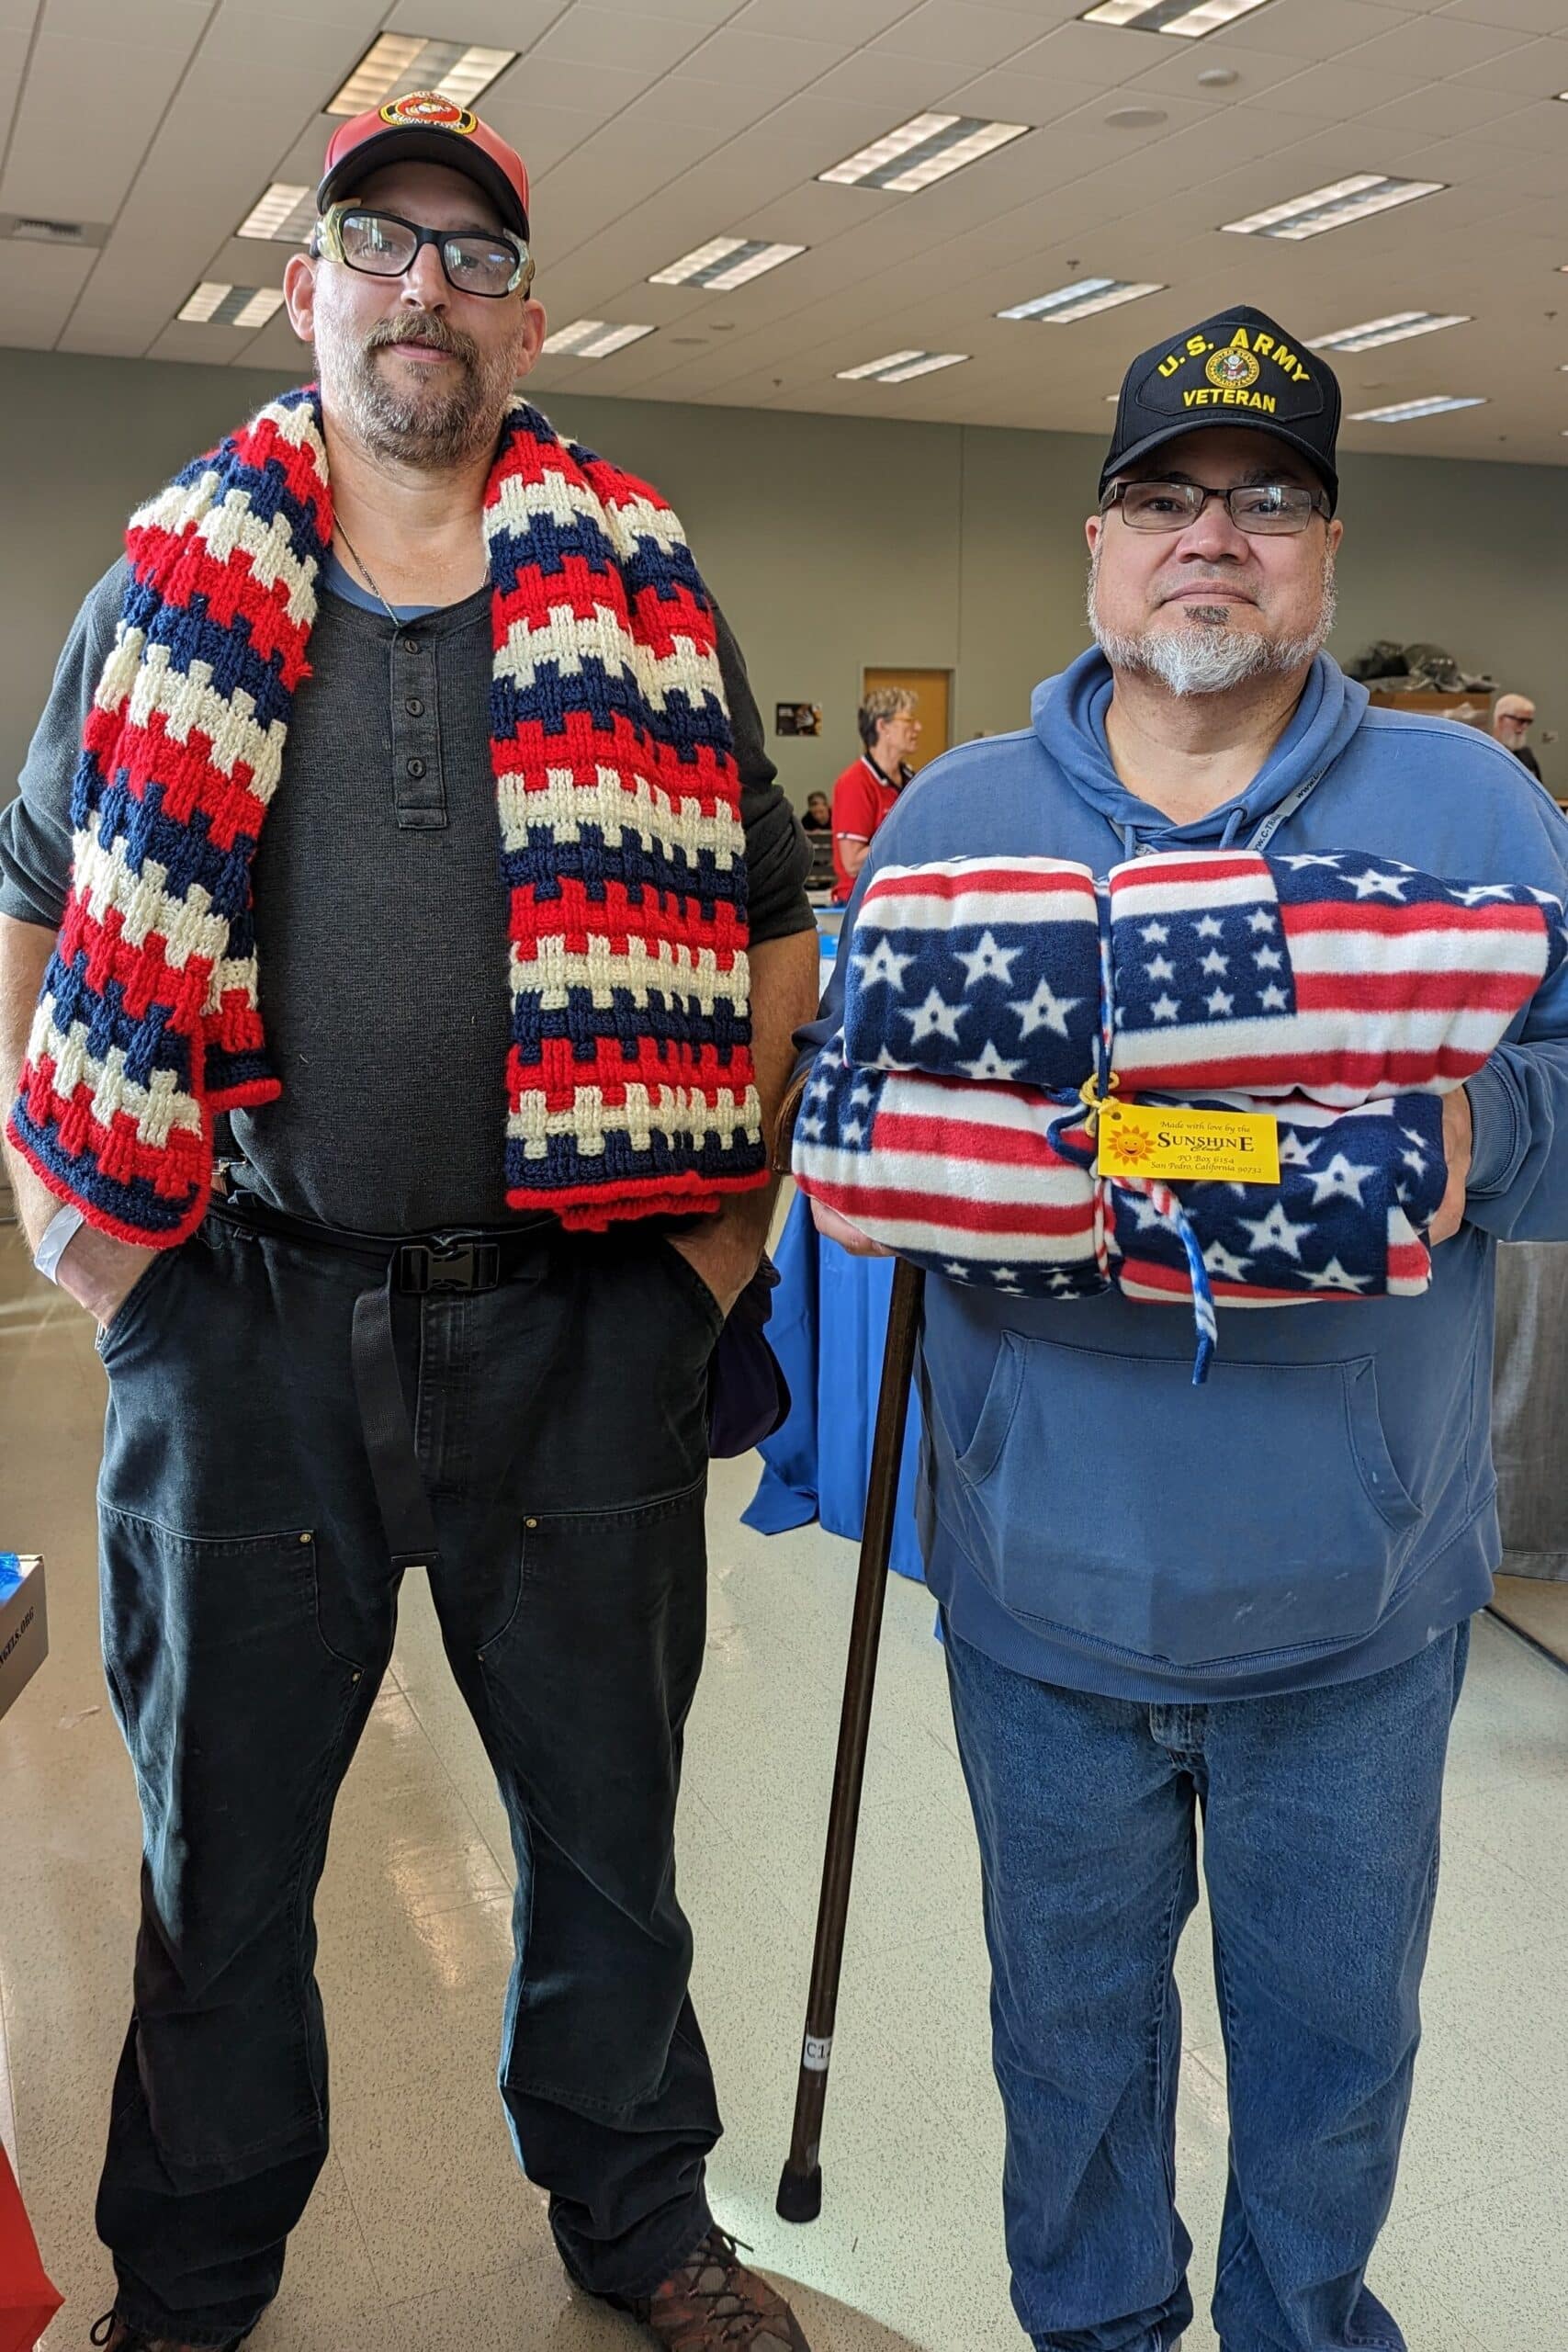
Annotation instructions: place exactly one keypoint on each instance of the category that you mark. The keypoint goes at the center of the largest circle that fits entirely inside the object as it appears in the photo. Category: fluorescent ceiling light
(1405, 411)
(1334, 206)
(216, 305)
(1191, 19)
(1081, 300)
(923, 150)
(724, 263)
(286, 212)
(1393, 329)
(897, 367)
(591, 339)
(396, 63)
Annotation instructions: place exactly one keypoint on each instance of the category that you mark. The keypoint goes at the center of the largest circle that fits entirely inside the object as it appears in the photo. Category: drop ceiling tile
(1442, 45)
(963, 32)
(592, 35)
(1543, 127)
(1181, 62)
(686, 98)
(87, 112)
(211, 346)
(276, 347)
(600, 90)
(1444, 109)
(1006, 95)
(1317, 29)
(498, 23)
(156, 24)
(1537, 71)
(1100, 54)
(899, 86)
(248, 261)
(329, 50)
(544, 136)
(695, 12)
(772, 63)
(848, 22)
(39, 285)
(1516, 16)
(1334, 93)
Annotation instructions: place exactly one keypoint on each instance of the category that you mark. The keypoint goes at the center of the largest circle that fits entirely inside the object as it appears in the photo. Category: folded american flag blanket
(1340, 976)
(995, 1184)
(1343, 994)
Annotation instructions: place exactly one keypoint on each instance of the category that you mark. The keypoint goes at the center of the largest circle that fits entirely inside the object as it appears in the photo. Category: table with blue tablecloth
(829, 1322)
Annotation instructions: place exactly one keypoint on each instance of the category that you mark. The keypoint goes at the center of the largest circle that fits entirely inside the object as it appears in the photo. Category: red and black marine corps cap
(1240, 368)
(425, 128)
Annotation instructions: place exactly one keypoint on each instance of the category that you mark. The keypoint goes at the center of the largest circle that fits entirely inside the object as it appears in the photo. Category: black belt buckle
(456, 1265)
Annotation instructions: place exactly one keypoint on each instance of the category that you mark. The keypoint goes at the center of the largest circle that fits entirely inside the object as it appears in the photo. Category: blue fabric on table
(829, 1328)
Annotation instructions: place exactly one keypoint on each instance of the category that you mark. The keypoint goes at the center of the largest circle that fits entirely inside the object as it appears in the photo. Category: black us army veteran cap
(1238, 368)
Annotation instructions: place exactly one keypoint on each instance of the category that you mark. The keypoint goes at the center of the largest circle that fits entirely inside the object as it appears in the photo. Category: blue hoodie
(1326, 1505)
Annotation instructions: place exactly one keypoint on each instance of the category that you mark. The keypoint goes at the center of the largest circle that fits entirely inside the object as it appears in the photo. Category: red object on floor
(28, 2301)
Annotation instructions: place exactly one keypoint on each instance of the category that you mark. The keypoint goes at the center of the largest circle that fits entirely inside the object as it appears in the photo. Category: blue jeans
(1320, 1849)
(249, 1607)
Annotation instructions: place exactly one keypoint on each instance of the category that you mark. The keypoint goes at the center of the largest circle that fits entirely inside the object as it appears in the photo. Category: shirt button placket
(419, 790)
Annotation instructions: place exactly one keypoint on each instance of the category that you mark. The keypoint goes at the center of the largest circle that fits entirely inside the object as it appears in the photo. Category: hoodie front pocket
(1119, 1503)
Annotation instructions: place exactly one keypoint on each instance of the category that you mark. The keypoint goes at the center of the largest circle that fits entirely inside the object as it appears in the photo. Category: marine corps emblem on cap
(428, 110)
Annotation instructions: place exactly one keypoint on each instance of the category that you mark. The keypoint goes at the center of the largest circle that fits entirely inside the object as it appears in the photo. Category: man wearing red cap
(461, 1303)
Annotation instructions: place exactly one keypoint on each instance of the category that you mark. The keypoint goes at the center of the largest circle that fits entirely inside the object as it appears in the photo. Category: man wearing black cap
(1251, 1598)
(505, 992)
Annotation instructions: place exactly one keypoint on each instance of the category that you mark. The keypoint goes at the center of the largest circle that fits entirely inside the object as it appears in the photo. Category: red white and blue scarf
(629, 1084)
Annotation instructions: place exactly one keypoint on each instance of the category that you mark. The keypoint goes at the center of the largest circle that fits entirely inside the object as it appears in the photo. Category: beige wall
(831, 543)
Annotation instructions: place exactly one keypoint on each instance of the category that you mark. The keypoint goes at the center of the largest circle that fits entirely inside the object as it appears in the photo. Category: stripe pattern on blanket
(1340, 976)
(994, 1185)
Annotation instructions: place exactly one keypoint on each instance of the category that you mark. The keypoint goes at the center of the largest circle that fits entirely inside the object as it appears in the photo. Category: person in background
(818, 816)
(864, 795)
(1513, 715)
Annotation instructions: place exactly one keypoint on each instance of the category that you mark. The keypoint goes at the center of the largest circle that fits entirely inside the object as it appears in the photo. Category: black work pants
(249, 1606)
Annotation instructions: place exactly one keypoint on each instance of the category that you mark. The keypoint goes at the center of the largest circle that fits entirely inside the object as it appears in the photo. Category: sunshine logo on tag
(1188, 1146)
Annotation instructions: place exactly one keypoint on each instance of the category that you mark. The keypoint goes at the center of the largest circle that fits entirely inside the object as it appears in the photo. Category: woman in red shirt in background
(865, 793)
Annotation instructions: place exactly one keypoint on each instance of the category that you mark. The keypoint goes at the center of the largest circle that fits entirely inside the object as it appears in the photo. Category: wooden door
(930, 689)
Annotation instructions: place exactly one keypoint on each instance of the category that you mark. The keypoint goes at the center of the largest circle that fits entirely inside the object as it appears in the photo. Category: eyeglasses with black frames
(489, 263)
(1266, 510)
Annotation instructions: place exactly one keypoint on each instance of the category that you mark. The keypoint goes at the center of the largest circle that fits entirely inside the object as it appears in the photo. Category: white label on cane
(817, 2053)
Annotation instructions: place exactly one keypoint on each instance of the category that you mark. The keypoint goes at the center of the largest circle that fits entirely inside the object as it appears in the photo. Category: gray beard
(1205, 655)
(432, 430)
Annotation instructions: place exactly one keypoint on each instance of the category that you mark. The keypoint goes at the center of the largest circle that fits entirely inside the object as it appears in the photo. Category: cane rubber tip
(800, 2194)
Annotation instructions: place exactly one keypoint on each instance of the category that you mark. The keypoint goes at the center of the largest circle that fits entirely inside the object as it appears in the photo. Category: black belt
(418, 1265)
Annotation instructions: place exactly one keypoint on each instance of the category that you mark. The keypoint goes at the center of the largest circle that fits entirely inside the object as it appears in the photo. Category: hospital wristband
(57, 1234)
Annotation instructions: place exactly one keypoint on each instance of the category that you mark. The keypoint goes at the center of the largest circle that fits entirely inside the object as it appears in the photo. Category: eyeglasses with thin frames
(489, 263)
(1266, 510)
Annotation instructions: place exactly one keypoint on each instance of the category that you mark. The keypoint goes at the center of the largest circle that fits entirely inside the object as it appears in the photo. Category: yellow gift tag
(1186, 1147)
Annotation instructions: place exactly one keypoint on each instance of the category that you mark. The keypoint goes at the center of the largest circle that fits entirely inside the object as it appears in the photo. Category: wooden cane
(800, 2189)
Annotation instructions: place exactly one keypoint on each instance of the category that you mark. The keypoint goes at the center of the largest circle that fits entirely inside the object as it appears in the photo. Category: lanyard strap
(1285, 811)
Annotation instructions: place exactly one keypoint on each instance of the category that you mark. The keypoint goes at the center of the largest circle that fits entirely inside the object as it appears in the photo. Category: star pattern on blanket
(1046, 1010)
(987, 961)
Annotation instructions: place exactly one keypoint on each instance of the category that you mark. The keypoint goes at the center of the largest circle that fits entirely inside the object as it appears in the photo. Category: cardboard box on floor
(24, 1624)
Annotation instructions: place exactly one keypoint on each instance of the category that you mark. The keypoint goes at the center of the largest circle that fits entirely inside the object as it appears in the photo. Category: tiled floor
(422, 2234)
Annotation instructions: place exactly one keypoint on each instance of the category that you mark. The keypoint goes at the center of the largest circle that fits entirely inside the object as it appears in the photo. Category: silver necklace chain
(369, 580)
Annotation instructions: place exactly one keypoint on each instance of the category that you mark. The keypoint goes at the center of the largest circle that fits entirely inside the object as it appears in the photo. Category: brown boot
(713, 2304)
(116, 2335)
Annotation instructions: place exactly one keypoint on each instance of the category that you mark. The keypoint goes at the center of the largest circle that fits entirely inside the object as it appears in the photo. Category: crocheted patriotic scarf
(629, 1084)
